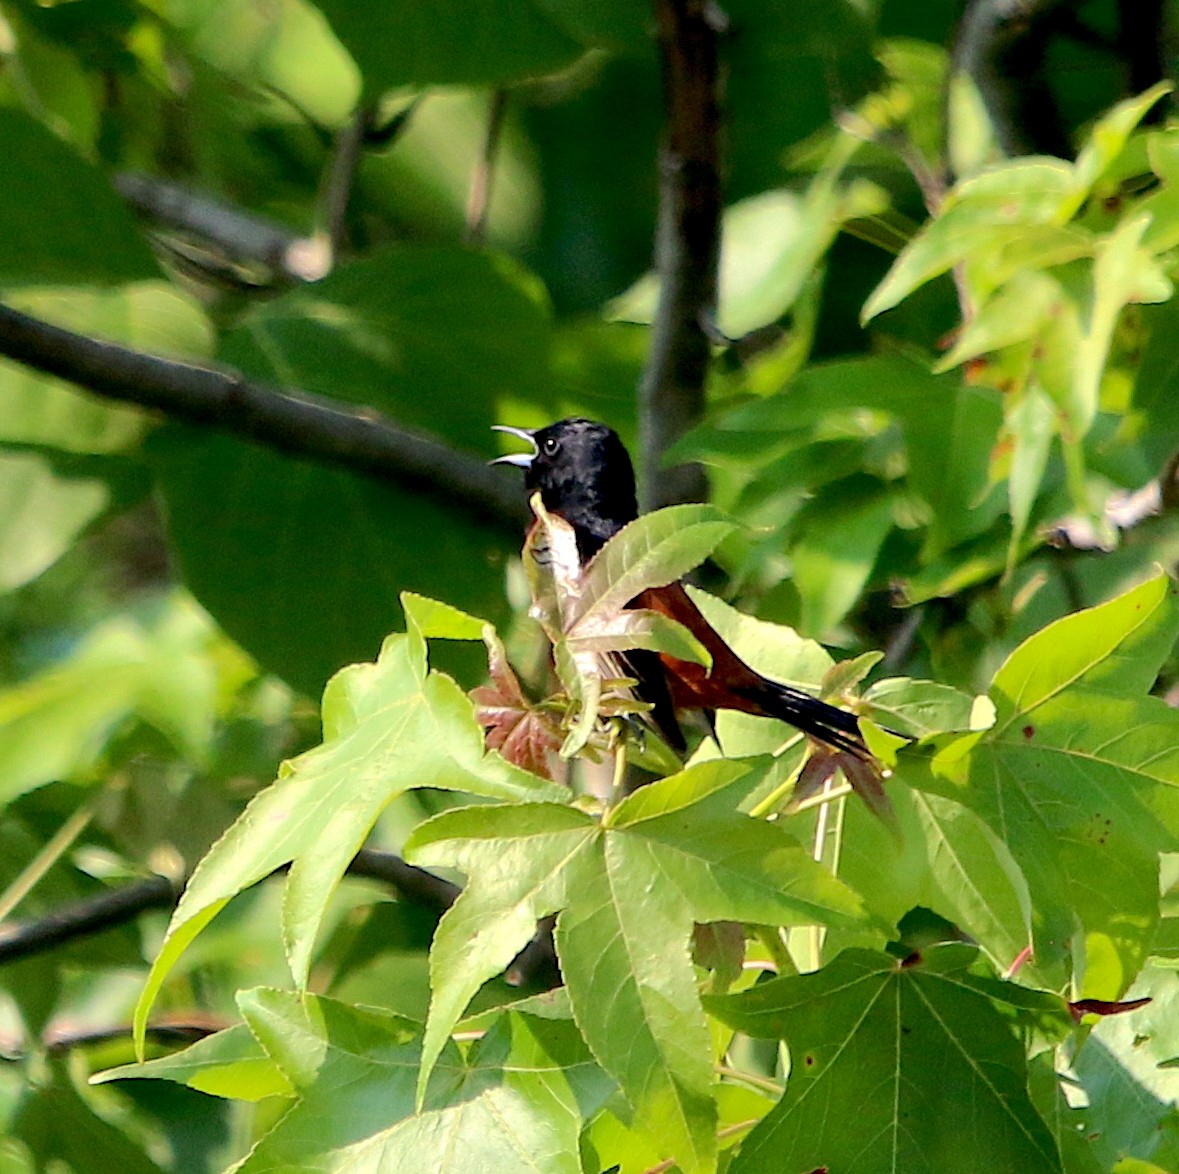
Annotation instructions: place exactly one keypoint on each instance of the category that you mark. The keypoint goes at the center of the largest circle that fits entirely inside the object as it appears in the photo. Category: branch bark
(1001, 46)
(239, 235)
(92, 915)
(687, 246)
(294, 422)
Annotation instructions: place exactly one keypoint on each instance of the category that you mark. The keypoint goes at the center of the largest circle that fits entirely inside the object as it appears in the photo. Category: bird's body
(584, 476)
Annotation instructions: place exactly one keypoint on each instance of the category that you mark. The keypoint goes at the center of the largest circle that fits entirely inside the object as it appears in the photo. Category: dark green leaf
(907, 1044)
(60, 220)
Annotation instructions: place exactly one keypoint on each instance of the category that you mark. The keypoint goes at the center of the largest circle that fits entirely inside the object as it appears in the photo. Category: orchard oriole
(584, 475)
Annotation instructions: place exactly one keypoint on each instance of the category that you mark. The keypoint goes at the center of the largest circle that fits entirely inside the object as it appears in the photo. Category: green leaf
(157, 669)
(946, 859)
(60, 220)
(1032, 425)
(908, 1044)
(653, 550)
(839, 539)
(1108, 138)
(402, 43)
(1079, 779)
(388, 727)
(979, 215)
(637, 628)
(1123, 272)
(522, 1091)
(1127, 1069)
(627, 895)
(920, 707)
(41, 514)
(439, 621)
(623, 948)
(1013, 314)
(230, 1063)
(516, 859)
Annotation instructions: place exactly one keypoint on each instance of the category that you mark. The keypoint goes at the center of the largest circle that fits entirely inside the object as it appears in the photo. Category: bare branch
(1001, 46)
(418, 885)
(340, 177)
(239, 235)
(293, 422)
(687, 246)
(91, 915)
(22, 939)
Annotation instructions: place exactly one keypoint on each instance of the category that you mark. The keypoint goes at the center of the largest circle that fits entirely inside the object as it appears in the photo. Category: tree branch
(294, 422)
(687, 246)
(1001, 46)
(479, 196)
(239, 235)
(92, 915)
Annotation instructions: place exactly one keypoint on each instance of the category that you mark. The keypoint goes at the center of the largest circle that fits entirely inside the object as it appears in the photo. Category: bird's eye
(551, 445)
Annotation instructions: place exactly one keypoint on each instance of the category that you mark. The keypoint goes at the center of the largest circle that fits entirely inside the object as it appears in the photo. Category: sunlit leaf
(388, 727)
(674, 853)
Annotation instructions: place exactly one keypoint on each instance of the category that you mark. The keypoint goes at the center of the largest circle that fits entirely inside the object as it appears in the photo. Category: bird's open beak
(521, 459)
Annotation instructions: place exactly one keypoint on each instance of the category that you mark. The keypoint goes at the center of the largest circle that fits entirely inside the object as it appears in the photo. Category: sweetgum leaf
(627, 893)
(230, 1063)
(652, 551)
(526, 735)
(907, 1044)
(1079, 778)
(388, 727)
(523, 1090)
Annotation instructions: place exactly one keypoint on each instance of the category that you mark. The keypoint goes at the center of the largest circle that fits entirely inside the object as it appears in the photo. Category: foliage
(935, 410)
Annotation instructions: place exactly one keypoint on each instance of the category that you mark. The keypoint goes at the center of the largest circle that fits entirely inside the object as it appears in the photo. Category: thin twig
(687, 246)
(340, 178)
(238, 235)
(479, 197)
(58, 844)
(1001, 46)
(294, 422)
(764, 1084)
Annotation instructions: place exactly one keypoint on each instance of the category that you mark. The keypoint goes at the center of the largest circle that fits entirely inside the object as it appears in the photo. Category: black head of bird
(584, 475)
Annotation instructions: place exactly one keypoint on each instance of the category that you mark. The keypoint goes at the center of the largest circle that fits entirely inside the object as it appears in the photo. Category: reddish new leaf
(525, 734)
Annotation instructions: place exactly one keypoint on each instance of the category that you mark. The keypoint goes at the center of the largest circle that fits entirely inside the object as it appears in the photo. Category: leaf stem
(827, 795)
(617, 783)
(721, 1135)
(49, 855)
(761, 1083)
(776, 797)
(771, 938)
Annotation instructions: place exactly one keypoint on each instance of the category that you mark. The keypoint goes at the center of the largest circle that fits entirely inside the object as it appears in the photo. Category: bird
(584, 476)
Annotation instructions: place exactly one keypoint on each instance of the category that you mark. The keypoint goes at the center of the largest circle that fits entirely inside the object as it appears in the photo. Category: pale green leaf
(637, 628)
(652, 551)
(230, 1063)
(517, 859)
(981, 213)
(389, 726)
(156, 668)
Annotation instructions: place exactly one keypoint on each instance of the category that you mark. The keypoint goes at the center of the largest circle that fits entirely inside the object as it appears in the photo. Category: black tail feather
(835, 727)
